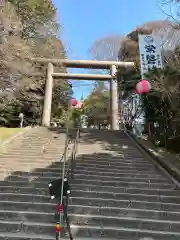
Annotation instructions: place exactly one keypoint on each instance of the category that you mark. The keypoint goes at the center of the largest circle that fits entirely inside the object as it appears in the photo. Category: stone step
(28, 156)
(100, 176)
(39, 145)
(130, 184)
(92, 231)
(50, 169)
(91, 195)
(27, 227)
(115, 173)
(25, 190)
(126, 196)
(116, 160)
(24, 197)
(29, 178)
(12, 167)
(79, 174)
(125, 203)
(98, 232)
(115, 155)
(36, 216)
(24, 236)
(25, 208)
(119, 166)
(49, 207)
(105, 158)
(121, 206)
(124, 212)
(122, 179)
(125, 222)
(148, 191)
(43, 184)
(126, 154)
(113, 164)
(52, 164)
(114, 169)
(40, 149)
(95, 219)
(76, 180)
(134, 177)
(41, 138)
(43, 160)
(96, 171)
(37, 173)
(31, 143)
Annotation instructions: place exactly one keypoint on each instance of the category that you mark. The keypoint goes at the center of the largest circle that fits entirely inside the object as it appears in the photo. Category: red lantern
(60, 208)
(79, 105)
(58, 227)
(143, 87)
(74, 102)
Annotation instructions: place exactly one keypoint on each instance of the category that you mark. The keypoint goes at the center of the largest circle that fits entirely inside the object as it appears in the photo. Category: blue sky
(85, 21)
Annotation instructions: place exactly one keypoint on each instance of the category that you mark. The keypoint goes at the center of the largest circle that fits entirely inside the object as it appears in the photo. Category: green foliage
(75, 116)
(96, 105)
(155, 108)
(9, 114)
(162, 104)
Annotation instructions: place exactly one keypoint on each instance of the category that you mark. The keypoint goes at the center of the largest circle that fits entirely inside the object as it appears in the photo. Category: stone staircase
(28, 163)
(117, 192)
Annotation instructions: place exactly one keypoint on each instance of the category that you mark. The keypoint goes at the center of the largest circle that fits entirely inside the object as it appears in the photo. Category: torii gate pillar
(114, 100)
(46, 117)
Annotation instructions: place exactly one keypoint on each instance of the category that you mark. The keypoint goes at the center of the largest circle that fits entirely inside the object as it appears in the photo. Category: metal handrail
(66, 176)
(71, 163)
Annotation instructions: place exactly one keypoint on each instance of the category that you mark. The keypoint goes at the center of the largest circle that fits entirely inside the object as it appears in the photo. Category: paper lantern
(60, 208)
(79, 105)
(143, 87)
(74, 102)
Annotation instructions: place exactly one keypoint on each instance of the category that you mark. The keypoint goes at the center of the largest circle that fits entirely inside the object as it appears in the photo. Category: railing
(70, 175)
(60, 189)
(71, 162)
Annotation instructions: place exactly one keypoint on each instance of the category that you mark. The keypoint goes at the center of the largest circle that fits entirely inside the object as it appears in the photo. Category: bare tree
(106, 48)
(171, 9)
(166, 31)
(132, 109)
(163, 29)
(13, 50)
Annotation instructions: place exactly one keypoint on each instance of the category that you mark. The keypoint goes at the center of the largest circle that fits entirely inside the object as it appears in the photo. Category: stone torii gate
(91, 64)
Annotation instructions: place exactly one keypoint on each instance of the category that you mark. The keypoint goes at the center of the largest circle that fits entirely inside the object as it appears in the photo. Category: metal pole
(46, 118)
(114, 99)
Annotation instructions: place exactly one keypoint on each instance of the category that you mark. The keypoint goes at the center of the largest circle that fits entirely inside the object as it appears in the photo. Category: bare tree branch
(106, 48)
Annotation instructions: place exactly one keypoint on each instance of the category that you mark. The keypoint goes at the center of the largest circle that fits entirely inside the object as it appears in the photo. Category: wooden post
(46, 118)
(114, 100)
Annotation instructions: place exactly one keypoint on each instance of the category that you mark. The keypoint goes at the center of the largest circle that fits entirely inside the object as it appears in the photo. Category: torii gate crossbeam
(92, 64)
